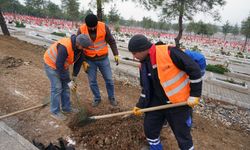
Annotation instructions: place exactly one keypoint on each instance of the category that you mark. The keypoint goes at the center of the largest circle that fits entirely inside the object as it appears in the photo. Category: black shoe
(113, 102)
(95, 103)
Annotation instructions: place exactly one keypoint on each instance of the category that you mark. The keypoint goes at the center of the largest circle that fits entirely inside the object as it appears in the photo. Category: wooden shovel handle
(142, 110)
(24, 110)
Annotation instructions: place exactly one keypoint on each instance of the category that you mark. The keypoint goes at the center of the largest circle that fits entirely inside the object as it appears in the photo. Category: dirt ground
(24, 84)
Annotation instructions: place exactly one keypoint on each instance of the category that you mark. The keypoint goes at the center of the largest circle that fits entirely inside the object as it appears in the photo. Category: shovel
(44, 103)
(93, 118)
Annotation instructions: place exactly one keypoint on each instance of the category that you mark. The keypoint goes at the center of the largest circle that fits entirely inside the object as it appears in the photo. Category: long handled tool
(142, 110)
(45, 103)
(89, 119)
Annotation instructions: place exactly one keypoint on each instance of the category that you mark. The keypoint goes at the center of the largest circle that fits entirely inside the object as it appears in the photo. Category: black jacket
(79, 57)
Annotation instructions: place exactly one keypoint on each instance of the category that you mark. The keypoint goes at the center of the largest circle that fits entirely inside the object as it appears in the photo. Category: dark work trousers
(180, 121)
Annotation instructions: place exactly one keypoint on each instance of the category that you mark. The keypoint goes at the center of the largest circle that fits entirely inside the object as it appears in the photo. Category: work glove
(74, 78)
(116, 58)
(137, 111)
(72, 85)
(85, 66)
(193, 101)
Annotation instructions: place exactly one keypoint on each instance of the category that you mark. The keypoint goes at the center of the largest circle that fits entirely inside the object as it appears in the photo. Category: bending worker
(167, 75)
(57, 58)
(97, 57)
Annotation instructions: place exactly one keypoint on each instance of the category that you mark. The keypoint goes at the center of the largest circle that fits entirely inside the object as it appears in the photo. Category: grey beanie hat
(84, 40)
(139, 43)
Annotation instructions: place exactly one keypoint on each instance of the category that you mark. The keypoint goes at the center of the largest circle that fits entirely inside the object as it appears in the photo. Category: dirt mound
(116, 133)
(11, 62)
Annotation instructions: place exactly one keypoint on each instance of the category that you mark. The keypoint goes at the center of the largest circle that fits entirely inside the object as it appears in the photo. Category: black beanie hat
(139, 43)
(91, 20)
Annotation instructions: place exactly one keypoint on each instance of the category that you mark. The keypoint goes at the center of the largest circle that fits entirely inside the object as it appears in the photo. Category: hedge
(59, 34)
(20, 25)
(217, 68)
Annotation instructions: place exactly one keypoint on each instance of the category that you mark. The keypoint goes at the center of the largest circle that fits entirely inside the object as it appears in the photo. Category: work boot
(95, 103)
(113, 102)
(58, 116)
(73, 110)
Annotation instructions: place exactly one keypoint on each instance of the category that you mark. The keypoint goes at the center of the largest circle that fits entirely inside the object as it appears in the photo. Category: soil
(24, 84)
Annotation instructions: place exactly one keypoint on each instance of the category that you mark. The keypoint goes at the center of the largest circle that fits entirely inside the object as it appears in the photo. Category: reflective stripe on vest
(51, 53)
(174, 81)
(100, 45)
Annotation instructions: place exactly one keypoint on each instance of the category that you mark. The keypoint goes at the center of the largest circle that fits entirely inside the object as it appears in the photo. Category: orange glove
(193, 101)
(137, 111)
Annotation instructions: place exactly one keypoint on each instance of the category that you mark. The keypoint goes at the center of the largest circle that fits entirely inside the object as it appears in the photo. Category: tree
(3, 25)
(35, 7)
(147, 22)
(53, 10)
(226, 28)
(245, 30)
(235, 30)
(191, 27)
(164, 25)
(201, 28)
(183, 9)
(211, 29)
(36, 4)
(11, 5)
(175, 27)
(113, 16)
(71, 8)
(99, 4)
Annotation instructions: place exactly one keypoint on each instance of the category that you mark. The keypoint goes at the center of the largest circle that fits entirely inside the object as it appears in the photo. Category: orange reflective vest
(174, 81)
(100, 46)
(51, 53)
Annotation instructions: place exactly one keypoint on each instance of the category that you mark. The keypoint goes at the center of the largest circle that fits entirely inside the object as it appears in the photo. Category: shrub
(195, 48)
(20, 25)
(59, 34)
(217, 68)
(240, 55)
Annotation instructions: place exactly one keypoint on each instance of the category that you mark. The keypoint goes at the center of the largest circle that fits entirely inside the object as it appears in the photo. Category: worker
(167, 75)
(97, 57)
(195, 55)
(57, 58)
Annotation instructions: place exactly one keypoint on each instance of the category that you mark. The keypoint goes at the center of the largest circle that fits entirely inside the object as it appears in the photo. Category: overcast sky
(234, 11)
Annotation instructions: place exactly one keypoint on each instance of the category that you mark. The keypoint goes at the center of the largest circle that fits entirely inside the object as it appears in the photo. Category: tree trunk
(3, 25)
(244, 46)
(99, 10)
(180, 23)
